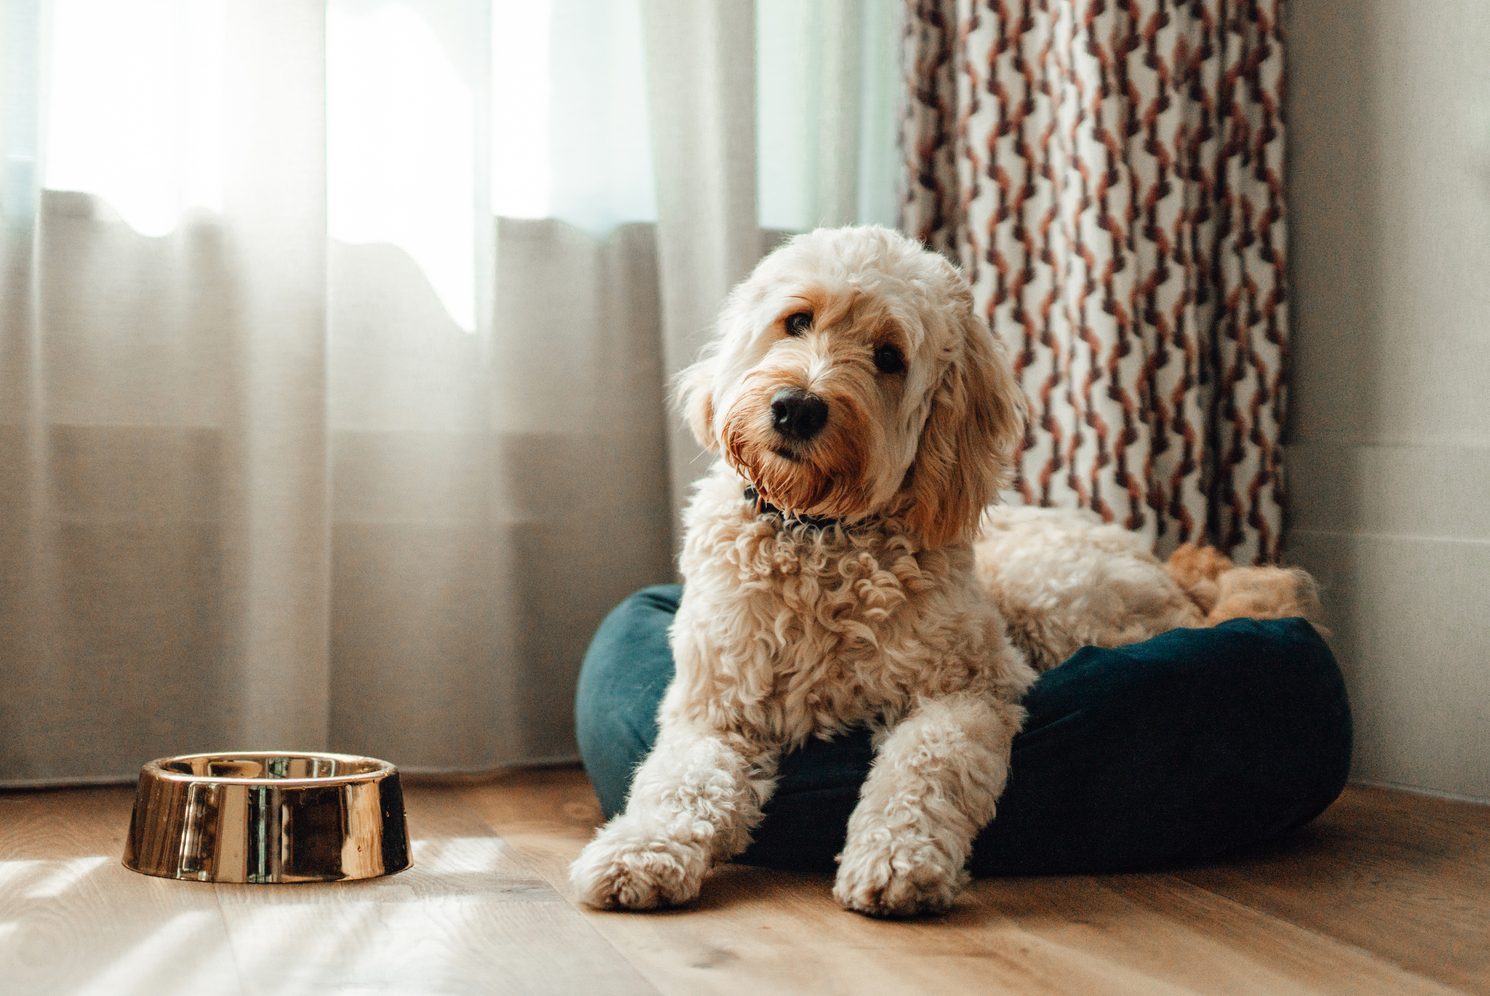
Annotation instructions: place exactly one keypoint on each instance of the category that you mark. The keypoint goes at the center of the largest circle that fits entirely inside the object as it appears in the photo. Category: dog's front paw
(623, 868)
(899, 878)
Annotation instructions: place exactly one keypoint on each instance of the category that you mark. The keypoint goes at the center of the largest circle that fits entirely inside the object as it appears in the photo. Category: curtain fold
(334, 337)
(701, 80)
(1111, 177)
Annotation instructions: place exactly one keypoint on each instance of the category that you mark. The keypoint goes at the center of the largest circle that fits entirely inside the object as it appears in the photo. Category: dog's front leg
(935, 780)
(693, 802)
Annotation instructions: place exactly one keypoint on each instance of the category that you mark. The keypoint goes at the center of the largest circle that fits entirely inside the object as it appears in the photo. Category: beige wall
(1389, 461)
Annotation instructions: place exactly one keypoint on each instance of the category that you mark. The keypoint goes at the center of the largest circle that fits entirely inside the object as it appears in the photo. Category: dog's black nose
(796, 414)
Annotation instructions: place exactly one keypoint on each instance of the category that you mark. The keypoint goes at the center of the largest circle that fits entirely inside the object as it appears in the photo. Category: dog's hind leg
(1195, 568)
(1267, 593)
(933, 786)
(694, 801)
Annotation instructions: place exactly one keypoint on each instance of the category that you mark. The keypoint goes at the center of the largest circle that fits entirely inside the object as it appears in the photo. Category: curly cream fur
(790, 630)
(1063, 579)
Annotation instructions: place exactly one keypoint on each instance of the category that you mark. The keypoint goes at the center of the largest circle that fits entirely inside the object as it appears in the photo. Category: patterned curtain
(1110, 175)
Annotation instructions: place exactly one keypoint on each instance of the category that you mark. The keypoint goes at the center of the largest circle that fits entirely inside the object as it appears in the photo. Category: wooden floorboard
(1404, 876)
(73, 919)
(1386, 893)
(469, 917)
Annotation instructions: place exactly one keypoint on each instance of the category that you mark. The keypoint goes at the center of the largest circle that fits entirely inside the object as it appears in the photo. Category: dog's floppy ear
(972, 439)
(694, 393)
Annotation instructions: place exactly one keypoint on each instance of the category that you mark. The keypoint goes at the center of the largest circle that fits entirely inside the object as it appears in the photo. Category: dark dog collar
(763, 507)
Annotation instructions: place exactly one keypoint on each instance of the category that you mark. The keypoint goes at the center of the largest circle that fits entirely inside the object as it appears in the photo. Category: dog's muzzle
(798, 415)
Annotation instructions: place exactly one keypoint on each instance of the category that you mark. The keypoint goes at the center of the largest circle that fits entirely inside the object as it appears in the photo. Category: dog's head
(850, 379)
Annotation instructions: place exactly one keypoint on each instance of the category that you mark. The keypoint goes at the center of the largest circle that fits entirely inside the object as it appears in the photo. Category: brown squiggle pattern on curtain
(1110, 175)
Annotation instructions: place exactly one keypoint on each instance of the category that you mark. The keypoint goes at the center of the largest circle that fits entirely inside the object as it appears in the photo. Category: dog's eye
(798, 323)
(888, 359)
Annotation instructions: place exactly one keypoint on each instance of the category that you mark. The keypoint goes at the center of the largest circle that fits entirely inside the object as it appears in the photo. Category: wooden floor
(1387, 892)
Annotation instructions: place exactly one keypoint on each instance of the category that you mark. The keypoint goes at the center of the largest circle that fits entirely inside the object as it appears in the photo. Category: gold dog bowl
(268, 816)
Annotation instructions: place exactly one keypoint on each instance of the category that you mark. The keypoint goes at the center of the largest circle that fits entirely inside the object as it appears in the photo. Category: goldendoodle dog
(864, 418)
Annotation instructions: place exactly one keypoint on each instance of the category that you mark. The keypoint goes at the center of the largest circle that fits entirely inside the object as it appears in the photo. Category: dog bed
(1172, 751)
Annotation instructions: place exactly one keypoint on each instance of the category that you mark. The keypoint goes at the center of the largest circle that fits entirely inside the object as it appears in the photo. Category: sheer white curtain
(334, 339)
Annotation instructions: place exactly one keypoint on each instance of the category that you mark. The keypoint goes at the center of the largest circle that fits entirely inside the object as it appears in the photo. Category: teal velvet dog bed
(1175, 750)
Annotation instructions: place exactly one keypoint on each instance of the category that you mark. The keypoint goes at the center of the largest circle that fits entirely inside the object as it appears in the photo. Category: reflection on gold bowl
(268, 816)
